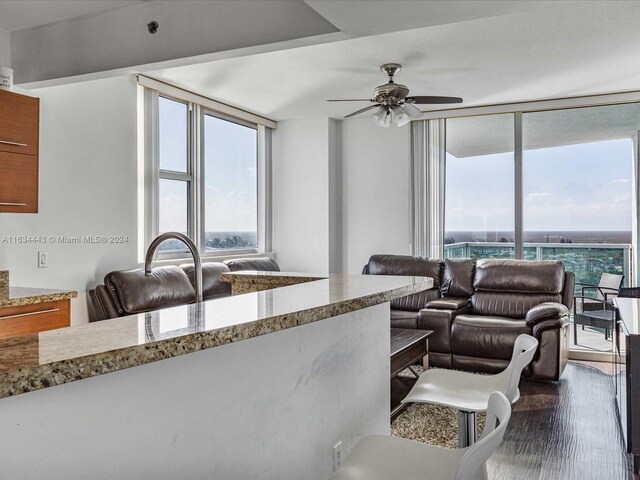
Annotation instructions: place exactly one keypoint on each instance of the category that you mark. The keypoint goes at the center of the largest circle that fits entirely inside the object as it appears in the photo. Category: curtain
(427, 188)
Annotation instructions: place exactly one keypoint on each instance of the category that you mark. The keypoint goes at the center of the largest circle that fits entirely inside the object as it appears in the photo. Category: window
(479, 205)
(205, 177)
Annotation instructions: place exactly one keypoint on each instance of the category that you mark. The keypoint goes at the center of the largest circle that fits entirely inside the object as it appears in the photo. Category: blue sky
(230, 186)
(575, 187)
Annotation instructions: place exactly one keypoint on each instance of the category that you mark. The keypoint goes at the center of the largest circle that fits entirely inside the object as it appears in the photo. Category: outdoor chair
(596, 310)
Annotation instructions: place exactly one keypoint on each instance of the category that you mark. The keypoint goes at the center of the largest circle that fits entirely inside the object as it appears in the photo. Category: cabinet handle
(9, 204)
(15, 144)
(30, 313)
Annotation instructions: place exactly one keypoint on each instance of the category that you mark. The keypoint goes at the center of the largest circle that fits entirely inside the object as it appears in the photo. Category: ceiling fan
(392, 102)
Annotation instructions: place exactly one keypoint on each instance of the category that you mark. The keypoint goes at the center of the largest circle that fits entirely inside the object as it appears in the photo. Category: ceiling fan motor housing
(390, 94)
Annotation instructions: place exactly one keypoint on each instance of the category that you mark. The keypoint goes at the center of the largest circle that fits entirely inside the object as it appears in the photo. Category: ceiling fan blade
(411, 110)
(353, 100)
(362, 110)
(433, 100)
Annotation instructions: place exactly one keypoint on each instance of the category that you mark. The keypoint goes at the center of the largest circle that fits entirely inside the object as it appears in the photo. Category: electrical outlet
(337, 455)
(42, 259)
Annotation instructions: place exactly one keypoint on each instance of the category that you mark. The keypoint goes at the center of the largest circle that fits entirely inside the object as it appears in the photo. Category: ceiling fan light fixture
(382, 117)
(400, 117)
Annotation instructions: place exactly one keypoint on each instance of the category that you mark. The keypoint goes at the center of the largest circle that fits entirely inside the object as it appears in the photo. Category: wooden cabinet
(19, 134)
(38, 317)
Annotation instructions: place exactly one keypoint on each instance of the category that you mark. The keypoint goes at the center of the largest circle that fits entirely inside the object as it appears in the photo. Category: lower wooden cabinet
(39, 317)
(18, 183)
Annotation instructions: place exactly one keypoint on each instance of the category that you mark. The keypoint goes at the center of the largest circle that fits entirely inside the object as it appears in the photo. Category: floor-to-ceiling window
(545, 184)
(479, 202)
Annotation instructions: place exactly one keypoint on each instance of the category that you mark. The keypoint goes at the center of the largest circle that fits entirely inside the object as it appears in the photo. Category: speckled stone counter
(60, 356)
(248, 281)
(21, 296)
(4, 283)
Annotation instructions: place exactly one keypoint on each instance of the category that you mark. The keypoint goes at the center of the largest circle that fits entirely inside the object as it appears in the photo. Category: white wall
(88, 186)
(341, 193)
(301, 195)
(5, 48)
(376, 170)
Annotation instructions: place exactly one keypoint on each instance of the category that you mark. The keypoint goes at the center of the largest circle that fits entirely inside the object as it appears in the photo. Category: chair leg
(466, 429)
(575, 333)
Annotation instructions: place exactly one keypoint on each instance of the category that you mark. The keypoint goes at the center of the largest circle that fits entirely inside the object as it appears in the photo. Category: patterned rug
(430, 424)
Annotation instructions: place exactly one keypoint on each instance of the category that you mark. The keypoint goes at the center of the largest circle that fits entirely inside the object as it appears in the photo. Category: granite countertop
(56, 357)
(20, 296)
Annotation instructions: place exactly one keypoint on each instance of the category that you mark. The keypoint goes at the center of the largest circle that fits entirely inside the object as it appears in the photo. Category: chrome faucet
(197, 263)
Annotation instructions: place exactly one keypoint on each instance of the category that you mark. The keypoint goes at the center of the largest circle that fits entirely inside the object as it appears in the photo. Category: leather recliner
(484, 305)
(131, 292)
(405, 310)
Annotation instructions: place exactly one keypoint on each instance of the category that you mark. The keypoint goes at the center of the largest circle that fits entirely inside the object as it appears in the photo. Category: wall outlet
(337, 455)
(42, 259)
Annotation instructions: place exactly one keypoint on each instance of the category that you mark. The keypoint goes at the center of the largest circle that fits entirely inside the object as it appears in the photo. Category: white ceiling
(484, 135)
(565, 50)
(21, 14)
(372, 17)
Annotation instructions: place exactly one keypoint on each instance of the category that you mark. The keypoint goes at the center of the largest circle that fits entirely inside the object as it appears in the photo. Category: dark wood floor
(564, 430)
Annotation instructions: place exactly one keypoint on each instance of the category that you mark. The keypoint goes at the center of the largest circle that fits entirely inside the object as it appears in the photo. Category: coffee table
(408, 347)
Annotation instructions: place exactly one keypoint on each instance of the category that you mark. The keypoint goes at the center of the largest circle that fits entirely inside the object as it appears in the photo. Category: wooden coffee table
(408, 347)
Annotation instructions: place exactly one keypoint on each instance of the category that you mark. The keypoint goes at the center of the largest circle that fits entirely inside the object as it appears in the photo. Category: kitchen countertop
(247, 281)
(20, 296)
(61, 356)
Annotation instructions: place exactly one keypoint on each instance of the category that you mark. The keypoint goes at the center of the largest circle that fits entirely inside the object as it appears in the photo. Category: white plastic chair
(379, 457)
(469, 392)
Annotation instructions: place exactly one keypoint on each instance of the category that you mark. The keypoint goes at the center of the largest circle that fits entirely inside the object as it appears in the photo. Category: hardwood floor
(564, 430)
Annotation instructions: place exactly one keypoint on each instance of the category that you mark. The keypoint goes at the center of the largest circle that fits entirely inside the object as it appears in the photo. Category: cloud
(619, 180)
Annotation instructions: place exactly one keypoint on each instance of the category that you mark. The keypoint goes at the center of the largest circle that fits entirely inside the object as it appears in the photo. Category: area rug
(430, 424)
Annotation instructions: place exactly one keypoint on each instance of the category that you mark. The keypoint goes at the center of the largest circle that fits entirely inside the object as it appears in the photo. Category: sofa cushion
(415, 302)
(449, 303)
(522, 276)
(164, 287)
(405, 265)
(262, 264)
(457, 277)
(485, 336)
(404, 319)
(212, 287)
(509, 304)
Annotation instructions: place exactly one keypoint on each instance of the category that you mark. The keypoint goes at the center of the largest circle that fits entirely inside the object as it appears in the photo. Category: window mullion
(518, 185)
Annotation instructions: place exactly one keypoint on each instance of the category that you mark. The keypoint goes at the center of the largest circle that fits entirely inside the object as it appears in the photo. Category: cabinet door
(18, 183)
(16, 321)
(19, 121)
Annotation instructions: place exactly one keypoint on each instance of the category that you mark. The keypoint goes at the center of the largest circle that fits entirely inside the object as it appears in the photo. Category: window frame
(195, 177)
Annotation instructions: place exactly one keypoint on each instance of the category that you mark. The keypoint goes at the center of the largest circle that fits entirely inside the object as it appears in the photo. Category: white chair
(469, 392)
(379, 457)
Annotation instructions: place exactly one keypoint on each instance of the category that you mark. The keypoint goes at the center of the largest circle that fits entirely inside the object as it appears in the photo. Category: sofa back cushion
(212, 287)
(457, 277)
(261, 264)
(510, 288)
(405, 265)
(164, 287)
(411, 266)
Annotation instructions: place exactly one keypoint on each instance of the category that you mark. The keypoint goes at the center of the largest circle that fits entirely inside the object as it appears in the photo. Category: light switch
(42, 259)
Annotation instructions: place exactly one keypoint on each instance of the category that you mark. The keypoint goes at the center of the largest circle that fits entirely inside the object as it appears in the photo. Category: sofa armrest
(547, 311)
(440, 322)
(449, 303)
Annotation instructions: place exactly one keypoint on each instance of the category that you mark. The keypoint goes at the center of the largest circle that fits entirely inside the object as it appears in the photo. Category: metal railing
(587, 260)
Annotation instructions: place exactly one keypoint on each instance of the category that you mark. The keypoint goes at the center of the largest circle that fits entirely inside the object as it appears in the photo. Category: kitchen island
(260, 385)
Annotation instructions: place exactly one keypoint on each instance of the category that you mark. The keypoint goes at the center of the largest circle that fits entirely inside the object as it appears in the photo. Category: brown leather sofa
(130, 292)
(481, 308)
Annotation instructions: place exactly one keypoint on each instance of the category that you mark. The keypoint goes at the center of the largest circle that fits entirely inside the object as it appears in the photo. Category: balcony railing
(587, 260)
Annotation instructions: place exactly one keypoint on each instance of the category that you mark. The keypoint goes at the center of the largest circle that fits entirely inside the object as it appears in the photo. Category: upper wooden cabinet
(19, 123)
(19, 135)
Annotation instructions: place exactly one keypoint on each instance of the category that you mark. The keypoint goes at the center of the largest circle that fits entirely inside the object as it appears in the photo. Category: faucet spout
(194, 253)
